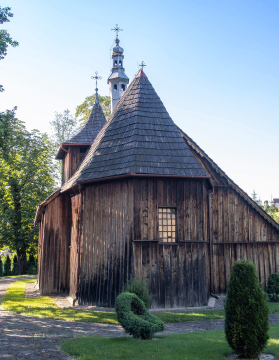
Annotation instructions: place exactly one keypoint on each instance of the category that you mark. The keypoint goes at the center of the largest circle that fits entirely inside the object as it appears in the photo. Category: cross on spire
(142, 65)
(116, 29)
(96, 77)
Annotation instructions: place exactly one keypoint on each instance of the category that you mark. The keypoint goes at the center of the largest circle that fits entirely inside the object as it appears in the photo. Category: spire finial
(116, 29)
(96, 77)
(142, 65)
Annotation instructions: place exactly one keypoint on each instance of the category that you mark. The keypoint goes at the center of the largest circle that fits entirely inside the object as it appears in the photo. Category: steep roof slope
(207, 163)
(139, 138)
(88, 133)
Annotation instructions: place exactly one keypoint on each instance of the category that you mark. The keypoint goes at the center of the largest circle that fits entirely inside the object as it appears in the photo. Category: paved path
(32, 338)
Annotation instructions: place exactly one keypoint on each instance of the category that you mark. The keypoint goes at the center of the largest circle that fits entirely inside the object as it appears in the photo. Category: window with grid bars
(167, 224)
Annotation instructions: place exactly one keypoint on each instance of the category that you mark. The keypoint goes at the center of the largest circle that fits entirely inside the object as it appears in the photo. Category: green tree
(271, 210)
(246, 322)
(26, 170)
(5, 38)
(83, 110)
(63, 128)
(257, 200)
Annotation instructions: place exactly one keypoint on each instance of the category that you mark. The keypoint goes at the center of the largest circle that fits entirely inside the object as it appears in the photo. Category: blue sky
(214, 64)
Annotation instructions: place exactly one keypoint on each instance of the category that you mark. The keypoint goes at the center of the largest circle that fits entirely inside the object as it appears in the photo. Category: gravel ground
(31, 338)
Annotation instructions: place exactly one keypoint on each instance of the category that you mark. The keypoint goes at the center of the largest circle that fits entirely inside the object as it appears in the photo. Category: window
(120, 63)
(122, 87)
(115, 63)
(167, 224)
(115, 87)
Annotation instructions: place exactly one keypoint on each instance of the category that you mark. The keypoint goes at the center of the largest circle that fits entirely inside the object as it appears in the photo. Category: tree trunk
(21, 261)
(17, 223)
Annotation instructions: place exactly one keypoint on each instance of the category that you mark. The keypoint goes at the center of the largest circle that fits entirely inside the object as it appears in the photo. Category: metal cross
(142, 65)
(96, 77)
(116, 29)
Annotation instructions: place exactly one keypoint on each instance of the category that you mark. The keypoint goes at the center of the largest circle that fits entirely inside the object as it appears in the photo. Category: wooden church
(140, 198)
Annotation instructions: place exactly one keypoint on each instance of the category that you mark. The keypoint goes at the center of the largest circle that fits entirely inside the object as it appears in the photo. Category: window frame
(173, 238)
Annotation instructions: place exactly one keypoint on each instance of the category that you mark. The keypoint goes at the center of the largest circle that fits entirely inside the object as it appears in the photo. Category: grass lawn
(209, 345)
(45, 307)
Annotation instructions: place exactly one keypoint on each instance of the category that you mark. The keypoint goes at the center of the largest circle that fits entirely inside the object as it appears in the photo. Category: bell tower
(117, 80)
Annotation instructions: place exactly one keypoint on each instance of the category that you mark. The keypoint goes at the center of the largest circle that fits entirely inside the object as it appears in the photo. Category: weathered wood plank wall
(176, 272)
(239, 232)
(54, 244)
(75, 203)
(106, 250)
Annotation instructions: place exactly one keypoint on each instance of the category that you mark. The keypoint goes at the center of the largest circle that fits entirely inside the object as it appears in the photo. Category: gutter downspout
(79, 242)
(210, 241)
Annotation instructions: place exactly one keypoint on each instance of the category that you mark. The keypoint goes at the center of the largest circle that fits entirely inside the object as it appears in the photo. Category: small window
(167, 224)
(120, 63)
(115, 63)
(115, 87)
(122, 87)
(83, 149)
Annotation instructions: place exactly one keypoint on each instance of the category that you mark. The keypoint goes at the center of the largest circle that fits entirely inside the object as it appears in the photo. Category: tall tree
(26, 180)
(63, 127)
(83, 110)
(5, 38)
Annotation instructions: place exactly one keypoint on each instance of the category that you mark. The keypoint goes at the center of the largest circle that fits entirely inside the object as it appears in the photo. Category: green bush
(246, 324)
(273, 287)
(7, 266)
(139, 287)
(135, 318)
(14, 266)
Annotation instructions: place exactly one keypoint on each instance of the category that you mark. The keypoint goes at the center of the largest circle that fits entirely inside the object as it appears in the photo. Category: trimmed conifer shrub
(246, 324)
(139, 287)
(14, 265)
(273, 287)
(135, 318)
(7, 266)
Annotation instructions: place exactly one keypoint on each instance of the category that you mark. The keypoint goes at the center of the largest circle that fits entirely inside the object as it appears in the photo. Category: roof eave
(132, 174)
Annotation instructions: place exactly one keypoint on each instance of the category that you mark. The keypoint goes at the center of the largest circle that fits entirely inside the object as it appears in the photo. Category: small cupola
(117, 80)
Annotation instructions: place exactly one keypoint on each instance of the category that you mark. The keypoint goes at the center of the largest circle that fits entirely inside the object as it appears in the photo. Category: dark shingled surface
(92, 127)
(88, 133)
(140, 137)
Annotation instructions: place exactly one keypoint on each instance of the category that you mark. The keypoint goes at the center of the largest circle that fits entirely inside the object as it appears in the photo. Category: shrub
(7, 266)
(273, 287)
(135, 318)
(1, 267)
(31, 258)
(246, 324)
(139, 287)
(14, 266)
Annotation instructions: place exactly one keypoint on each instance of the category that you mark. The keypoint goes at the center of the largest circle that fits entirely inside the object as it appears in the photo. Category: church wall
(75, 227)
(177, 272)
(240, 232)
(54, 241)
(106, 251)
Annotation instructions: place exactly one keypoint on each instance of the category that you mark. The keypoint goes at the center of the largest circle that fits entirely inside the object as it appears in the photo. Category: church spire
(117, 80)
(96, 77)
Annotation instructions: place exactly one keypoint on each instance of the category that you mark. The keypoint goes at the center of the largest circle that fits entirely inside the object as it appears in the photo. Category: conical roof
(88, 133)
(139, 138)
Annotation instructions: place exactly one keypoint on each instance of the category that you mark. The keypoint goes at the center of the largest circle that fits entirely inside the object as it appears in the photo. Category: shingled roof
(139, 138)
(96, 120)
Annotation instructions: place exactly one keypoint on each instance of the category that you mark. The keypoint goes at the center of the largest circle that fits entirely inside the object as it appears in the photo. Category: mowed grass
(209, 345)
(44, 307)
